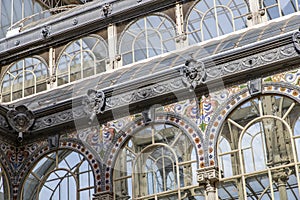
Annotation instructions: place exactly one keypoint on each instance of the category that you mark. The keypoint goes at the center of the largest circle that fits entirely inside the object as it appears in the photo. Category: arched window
(147, 37)
(225, 160)
(279, 8)
(82, 58)
(158, 162)
(15, 10)
(60, 175)
(24, 78)
(211, 18)
(261, 136)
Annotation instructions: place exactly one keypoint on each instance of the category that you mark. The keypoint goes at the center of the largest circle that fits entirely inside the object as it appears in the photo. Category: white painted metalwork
(24, 78)
(61, 175)
(210, 19)
(279, 8)
(262, 150)
(147, 37)
(4, 187)
(82, 58)
(158, 162)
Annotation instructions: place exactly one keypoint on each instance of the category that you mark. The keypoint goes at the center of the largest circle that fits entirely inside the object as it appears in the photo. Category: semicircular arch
(71, 145)
(214, 127)
(188, 127)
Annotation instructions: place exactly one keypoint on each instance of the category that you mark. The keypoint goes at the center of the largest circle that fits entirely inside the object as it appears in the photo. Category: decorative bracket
(193, 74)
(254, 87)
(21, 120)
(106, 9)
(209, 177)
(296, 40)
(208, 174)
(51, 79)
(148, 115)
(45, 32)
(53, 141)
(94, 103)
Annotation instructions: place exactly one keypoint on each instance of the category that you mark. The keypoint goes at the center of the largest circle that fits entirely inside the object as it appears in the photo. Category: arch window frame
(51, 178)
(64, 63)
(197, 33)
(265, 177)
(130, 176)
(130, 32)
(21, 72)
(12, 16)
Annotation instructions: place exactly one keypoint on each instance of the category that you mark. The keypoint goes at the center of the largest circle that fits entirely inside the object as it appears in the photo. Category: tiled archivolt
(214, 127)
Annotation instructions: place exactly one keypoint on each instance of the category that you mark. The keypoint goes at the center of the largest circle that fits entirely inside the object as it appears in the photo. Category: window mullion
(279, 7)
(23, 78)
(146, 37)
(81, 59)
(216, 18)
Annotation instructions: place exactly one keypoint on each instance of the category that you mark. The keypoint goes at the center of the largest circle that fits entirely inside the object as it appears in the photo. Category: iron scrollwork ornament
(193, 74)
(94, 103)
(21, 120)
(296, 40)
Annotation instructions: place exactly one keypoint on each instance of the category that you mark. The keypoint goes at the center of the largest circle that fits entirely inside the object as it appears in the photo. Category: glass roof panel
(112, 77)
(227, 44)
(271, 31)
(292, 23)
(249, 37)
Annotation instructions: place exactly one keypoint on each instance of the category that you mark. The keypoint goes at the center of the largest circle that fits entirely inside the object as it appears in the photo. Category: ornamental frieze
(174, 85)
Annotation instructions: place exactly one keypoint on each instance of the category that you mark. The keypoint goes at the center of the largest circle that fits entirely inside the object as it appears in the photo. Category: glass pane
(156, 168)
(209, 19)
(228, 190)
(225, 21)
(147, 37)
(209, 25)
(288, 6)
(82, 58)
(64, 172)
(258, 186)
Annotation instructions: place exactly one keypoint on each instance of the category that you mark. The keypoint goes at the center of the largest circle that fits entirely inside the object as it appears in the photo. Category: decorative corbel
(45, 32)
(21, 120)
(296, 40)
(51, 79)
(255, 86)
(106, 9)
(193, 74)
(208, 177)
(53, 141)
(94, 103)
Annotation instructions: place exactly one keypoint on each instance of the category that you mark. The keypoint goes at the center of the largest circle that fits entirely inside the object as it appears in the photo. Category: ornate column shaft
(209, 177)
(281, 177)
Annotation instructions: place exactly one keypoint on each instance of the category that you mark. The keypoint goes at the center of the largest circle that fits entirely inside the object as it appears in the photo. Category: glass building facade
(161, 100)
